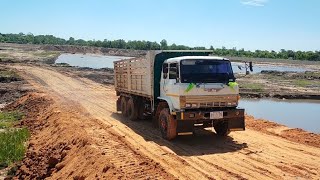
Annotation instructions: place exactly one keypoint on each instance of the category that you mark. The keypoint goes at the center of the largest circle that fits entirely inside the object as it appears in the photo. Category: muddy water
(302, 114)
(89, 60)
(259, 68)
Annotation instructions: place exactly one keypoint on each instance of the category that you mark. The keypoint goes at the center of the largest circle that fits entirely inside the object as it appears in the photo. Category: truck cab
(201, 91)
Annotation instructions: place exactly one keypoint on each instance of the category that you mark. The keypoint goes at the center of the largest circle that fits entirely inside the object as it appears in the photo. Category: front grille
(212, 101)
(216, 104)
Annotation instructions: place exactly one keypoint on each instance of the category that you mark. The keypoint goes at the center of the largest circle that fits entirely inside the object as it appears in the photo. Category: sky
(248, 24)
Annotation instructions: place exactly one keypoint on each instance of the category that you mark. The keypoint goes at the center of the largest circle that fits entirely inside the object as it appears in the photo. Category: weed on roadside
(9, 119)
(7, 73)
(12, 140)
(12, 146)
(253, 86)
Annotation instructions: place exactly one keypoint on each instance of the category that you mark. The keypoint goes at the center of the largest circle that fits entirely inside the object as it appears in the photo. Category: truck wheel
(222, 129)
(168, 125)
(140, 108)
(124, 107)
(132, 110)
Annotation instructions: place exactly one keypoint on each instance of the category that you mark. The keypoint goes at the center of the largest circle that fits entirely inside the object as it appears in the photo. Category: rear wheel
(132, 109)
(168, 125)
(124, 107)
(140, 103)
(222, 128)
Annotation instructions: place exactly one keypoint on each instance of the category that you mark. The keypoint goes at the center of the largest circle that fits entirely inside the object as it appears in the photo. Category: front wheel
(168, 125)
(222, 128)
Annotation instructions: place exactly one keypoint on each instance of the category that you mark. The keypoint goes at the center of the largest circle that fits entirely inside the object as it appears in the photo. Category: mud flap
(236, 124)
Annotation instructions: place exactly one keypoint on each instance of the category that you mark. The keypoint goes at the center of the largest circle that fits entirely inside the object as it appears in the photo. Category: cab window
(173, 71)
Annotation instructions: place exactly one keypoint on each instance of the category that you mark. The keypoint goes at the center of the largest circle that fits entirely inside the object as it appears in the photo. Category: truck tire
(168, 125)
(140, 108)
(132, 109)
(222, 128)
(124, 107)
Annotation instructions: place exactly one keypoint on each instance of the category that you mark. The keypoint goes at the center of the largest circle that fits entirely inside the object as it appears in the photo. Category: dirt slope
(243, 155)
(63, 147)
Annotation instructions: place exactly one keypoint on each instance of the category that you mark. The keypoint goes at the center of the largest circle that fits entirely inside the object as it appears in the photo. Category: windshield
(206, 71)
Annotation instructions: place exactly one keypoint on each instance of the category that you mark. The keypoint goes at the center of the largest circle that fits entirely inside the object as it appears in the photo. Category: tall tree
(164, 44)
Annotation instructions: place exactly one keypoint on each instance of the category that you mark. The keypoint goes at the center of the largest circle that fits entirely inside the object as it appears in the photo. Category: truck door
(170, 84)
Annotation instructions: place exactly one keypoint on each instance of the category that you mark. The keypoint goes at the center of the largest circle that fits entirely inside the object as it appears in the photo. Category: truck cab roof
(178, 59)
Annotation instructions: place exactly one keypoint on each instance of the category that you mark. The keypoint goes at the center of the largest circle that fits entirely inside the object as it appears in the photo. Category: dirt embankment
(102, 76)
(72, 49)
(62, 146)
(292, 134)
(94, 50)
(275, 84)
(11, 86)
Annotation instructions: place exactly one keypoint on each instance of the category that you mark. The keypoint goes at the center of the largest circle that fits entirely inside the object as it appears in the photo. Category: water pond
(292, 113)
(89, 60)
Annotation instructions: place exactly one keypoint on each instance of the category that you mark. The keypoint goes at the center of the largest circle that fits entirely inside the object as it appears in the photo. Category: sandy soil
(83, 137)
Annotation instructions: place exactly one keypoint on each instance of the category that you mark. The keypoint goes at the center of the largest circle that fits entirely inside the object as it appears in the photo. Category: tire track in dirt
(249, 155)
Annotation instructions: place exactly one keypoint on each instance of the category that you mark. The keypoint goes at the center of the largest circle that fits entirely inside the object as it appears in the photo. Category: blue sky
(249, 24)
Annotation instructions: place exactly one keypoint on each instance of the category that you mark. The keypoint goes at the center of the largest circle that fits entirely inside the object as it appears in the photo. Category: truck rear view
(180, 91)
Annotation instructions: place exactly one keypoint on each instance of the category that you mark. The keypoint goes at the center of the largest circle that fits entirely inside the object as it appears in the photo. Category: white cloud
(254, 2)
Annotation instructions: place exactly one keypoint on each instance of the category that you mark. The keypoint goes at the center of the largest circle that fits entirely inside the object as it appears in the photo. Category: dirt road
(243, 155)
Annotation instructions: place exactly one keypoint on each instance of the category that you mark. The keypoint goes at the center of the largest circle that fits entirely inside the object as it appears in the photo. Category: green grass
(306, 83)
(8, 119)
(8, 73)
(46, 53)
(253, 86)
(12, 146)
(313, 74)
(12, 139)
(4, 55)
(302, 83)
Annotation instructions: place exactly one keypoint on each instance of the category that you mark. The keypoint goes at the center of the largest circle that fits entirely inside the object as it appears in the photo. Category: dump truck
(180, 90)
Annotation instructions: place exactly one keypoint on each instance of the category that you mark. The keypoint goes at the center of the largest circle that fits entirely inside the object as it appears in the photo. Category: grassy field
(256, 87)
(9, 119)
(7, 73)
(12, 140)
(46, 53)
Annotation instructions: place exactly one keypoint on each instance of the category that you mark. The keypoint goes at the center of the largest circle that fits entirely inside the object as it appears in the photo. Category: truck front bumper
(234, 117)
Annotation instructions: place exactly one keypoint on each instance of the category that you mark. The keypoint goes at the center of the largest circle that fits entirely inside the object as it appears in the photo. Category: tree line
(29, 38)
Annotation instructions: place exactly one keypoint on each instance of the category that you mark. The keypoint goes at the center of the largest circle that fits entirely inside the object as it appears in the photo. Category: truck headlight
(188, 105)
(194, 105)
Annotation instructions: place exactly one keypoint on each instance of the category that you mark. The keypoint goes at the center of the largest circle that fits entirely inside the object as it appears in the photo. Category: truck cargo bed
(134, 76)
